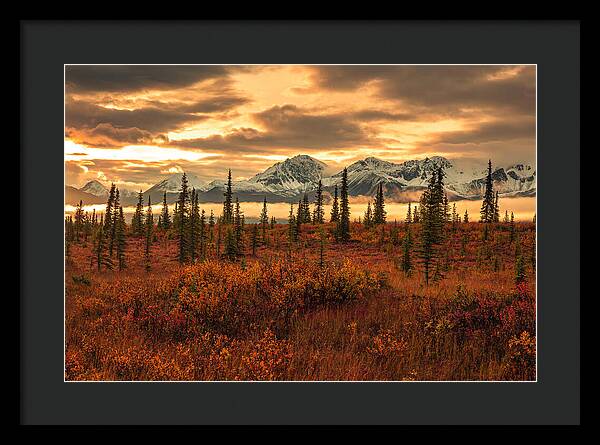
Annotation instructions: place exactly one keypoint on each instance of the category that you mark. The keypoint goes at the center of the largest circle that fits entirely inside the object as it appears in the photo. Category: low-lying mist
(522, 207)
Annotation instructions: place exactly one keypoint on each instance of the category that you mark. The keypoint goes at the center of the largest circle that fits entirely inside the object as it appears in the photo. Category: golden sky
(135, 124)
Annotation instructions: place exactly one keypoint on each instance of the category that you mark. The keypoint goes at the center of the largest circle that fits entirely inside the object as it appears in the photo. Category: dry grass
(275, 318)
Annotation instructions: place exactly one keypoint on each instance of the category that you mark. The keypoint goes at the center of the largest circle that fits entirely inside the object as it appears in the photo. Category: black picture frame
(47, 45)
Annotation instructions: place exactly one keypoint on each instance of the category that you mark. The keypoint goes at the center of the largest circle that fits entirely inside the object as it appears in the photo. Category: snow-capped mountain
(292, 176)
(172, 184)
(95, 188)
(289, 180)
(463, 178)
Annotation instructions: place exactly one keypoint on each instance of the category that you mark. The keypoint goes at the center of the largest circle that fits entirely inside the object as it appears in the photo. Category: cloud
(105, 135)
(82, 114)
(443, 87)
(284, 127)
(502, 130)
(113, 78)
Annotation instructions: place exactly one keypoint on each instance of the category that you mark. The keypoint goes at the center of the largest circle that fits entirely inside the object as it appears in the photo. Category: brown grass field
(276, 316)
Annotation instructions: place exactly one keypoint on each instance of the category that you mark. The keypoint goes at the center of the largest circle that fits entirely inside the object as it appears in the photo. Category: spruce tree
(238, 228)
(149, 226)
(416, 215)
(264, 221)
(78, 226)
(211, 226)
(511, 229)
(496, 209)
(368, 219)
(230, 245)
(292, 228)
(115, 222)
(409, 214)
(432, 222)
(273, 222)
(137, 222)
(183, 221)
(165, 218)
(120, 238)
(343, 226)
(175, 223)
(506, 218)
(228, 203)
(299, 217)
(202, 232)
(319, 213)
(335, 209)
(306, 218)
(108, 214)
(321, 248)
(466, 217)
(446, 209)
(455, 218)
(194, 226)
(379, 206)
(488, 207)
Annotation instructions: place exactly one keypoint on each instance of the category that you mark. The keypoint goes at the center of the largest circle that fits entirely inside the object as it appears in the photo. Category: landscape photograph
(364, 223)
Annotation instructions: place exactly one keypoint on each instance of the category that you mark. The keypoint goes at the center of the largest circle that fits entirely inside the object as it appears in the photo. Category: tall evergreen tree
(137, 222)
(149, 226)
(203, 233)
(343, 226)
(176, 222)
(416, 215)
(264, 221)
(108, 218)
(165, 218)
(306, 218)
(292, 227)
(113, 227)
(368, 219)
(321, 248)
(496, 209)
(238, 228)
(230, 244)
(102, 259)
(194, 226)
(488, 207)
(409, 214)
(78, 225)
(432, 221)
(120, 238)
(299, 217)
(511, 229)
(183, 220)
(466, 217)
(379, 207)
(319, 212)
(228, 202)
(211, 227)
(335, 208)
(446, 209)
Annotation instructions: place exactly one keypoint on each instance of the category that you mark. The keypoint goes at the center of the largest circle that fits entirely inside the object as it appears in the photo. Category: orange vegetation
(280, 315)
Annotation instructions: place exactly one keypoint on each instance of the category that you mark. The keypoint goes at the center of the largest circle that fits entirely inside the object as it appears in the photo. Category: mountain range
(289, 180)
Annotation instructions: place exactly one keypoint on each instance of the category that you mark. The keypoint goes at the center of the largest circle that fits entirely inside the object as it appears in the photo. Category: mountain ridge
(288, 180)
